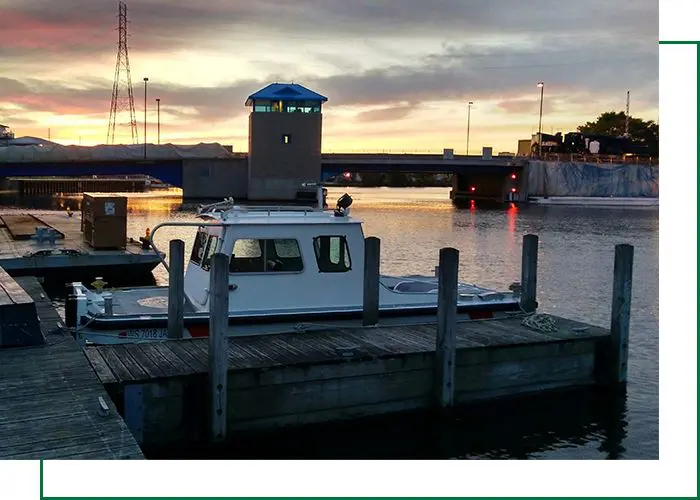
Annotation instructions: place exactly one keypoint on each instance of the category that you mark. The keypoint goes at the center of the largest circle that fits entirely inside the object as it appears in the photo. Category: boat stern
(82, 304)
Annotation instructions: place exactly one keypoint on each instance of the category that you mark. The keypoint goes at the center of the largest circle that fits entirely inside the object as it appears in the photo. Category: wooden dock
(303, 378)
(22, 253)
(52, 405)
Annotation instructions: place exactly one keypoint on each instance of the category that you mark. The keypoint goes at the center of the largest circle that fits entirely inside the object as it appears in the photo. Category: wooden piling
(218, 345)
(370, 295)
(447, 323)
(109, 304)
(620, 317)
(176, 290)
(528, 298)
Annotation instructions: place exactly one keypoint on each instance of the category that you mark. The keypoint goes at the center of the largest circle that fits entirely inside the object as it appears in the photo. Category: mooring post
(446, 344)
(218, 345)
(528, 297)
(109, 304)
(620, 317)
(370, 295)
(176, 290)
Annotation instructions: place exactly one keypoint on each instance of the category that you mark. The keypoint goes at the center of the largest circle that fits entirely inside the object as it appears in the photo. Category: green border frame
(41, 462)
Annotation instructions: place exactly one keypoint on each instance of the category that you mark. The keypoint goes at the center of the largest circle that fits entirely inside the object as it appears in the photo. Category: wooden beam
(370, 295)
(218, 345)
(620, 316)
(176, 290)
(446, 344)
(528, 299)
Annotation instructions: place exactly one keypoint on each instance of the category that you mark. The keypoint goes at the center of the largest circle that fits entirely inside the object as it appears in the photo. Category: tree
(613, 123)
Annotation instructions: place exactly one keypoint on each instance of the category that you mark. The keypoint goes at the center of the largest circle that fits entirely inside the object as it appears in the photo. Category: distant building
(524, 147)
(284, 141)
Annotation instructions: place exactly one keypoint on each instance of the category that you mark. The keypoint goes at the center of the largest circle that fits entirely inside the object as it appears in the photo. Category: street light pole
(158, 105)
(539, 133)
(469, 116)
(145, 108)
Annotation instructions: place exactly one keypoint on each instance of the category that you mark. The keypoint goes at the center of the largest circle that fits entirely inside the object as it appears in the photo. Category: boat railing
(176, 224)
(270, 209)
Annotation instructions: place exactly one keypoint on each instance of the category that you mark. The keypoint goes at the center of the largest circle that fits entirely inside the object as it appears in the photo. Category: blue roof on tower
(285, 92)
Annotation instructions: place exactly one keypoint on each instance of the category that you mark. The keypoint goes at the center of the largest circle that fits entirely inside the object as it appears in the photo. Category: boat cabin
(289, 258)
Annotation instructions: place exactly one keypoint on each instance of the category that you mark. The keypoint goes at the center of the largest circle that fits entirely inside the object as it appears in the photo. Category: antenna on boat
(320, 194)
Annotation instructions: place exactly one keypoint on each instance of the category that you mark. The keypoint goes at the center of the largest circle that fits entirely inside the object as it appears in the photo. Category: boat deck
(50, 398)
(21, 253)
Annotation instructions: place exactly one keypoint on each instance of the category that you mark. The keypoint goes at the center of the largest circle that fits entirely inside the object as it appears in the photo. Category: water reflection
(542, 426)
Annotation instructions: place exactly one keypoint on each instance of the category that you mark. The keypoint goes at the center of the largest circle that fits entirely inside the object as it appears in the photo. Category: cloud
(78, 26)
(388, 113)
(378, 62)
(205, 104)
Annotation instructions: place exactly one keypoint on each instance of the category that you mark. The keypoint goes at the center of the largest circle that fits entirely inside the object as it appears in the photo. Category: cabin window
(212, 247)
(200, 243)
(261, 256)
(332, 254)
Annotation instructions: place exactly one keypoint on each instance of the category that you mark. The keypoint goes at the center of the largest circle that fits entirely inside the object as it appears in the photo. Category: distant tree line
(613, 123)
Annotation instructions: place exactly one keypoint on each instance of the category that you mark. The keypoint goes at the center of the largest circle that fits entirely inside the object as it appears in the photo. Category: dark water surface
(575, 273)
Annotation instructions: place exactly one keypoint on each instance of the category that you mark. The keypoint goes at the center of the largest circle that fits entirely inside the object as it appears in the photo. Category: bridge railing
(572, 157)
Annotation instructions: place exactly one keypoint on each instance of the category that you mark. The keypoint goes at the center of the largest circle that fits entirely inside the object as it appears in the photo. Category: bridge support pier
(491, 187)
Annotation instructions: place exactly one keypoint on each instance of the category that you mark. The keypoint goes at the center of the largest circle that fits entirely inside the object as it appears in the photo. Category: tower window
(286, 139)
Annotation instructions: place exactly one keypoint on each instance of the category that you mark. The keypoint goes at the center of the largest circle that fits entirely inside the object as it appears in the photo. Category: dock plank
(152, 370)
(193, 356)
(101, 367)
(49, 397)
(119, 368)
(21, 226)
(129, 362)
(180, 364)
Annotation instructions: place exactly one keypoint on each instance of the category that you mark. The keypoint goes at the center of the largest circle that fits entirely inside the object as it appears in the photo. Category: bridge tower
(284, 141)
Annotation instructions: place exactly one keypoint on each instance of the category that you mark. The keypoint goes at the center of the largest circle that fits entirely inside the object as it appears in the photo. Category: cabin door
(197, 278)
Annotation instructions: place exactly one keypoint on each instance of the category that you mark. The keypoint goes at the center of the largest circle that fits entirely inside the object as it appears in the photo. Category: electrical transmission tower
(122, 79)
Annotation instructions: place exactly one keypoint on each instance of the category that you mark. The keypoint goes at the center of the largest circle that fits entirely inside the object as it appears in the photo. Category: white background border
(674, 474)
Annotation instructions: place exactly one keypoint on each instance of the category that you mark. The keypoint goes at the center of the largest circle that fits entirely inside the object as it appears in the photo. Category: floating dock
(52, 405)
(304, 378)
(600, 201)
(57, 249)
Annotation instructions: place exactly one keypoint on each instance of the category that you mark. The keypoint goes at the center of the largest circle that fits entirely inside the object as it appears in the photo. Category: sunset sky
(397, 74)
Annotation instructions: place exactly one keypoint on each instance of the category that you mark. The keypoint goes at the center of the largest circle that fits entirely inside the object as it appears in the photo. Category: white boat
(291, 269)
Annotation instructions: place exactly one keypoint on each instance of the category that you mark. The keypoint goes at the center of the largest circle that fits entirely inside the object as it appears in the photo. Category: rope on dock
(540, 322)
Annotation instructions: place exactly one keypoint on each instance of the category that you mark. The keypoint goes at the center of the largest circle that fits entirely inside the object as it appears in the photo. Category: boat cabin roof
(278, 216)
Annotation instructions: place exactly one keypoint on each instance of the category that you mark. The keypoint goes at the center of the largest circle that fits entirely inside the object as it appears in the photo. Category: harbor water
(575, 272)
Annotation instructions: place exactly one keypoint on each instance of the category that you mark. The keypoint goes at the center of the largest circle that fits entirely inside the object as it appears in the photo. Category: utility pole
(627, 116)
(469, 116)
(539, 133)
(145, 109)
(158, 107)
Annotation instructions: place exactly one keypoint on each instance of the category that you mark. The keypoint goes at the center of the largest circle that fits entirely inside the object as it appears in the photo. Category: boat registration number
(144, 333)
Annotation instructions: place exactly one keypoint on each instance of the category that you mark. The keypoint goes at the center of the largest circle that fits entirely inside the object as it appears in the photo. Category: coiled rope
(540, 322)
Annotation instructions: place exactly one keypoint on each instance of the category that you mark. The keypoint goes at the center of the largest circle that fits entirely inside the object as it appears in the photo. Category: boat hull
(155, 329)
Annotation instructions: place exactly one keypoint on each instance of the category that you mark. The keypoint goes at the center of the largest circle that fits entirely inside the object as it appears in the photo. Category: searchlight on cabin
(342, 206)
